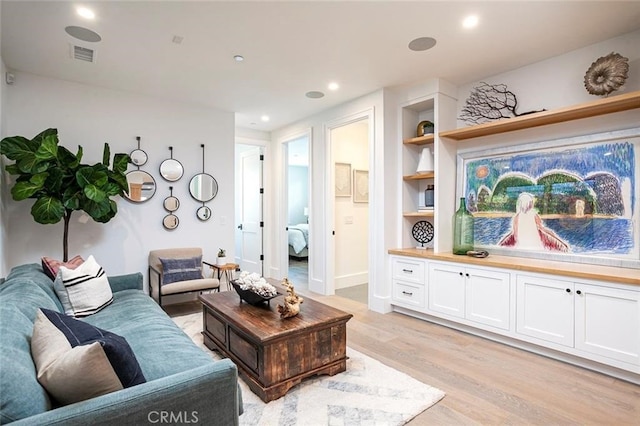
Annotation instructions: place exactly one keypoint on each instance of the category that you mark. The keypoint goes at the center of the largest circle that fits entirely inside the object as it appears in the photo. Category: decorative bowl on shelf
(249, 296)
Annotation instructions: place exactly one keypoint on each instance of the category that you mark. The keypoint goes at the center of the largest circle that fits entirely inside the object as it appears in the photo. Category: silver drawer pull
(406, 293)
(408, 271)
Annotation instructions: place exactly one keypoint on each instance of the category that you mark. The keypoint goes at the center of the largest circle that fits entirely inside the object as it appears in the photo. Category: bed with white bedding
(299, 240)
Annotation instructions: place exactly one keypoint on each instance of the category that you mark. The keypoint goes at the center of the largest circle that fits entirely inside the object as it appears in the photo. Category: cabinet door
(446, 289)
(545, 309)
(488, 297)
(608, 322)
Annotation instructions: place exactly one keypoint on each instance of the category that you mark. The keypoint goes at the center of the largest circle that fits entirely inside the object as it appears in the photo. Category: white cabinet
(482, 296)
(545, 309)
(408, 282)
(607, 322)
(594, 319)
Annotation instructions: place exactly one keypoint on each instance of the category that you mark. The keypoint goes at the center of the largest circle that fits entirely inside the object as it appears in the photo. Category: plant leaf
(17, 147)
(48, 149)
(113, 209)
(23, 190)
(71, 198)
(106, 155)
(12, 169)
(93, 193)
(121, 162)
(54, 180)
(45, 134)
(67, 158)
(47, 210)
(96, 209)
(92, 175)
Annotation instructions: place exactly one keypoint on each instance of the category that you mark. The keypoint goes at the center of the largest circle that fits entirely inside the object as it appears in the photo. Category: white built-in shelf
(619, 103)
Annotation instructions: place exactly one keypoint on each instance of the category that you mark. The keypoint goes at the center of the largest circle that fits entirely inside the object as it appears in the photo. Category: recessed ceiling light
(470, 21)
(238, 58)
(422, 43)
(333, 86)
(85, 13)
(264, 118)
(314, 94)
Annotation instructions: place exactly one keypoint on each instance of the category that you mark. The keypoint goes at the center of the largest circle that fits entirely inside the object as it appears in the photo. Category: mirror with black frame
(170, 221)
(203, 187)
(171, 169)
(171, 204)
(203, 213)
(138, 157)
(142, 186)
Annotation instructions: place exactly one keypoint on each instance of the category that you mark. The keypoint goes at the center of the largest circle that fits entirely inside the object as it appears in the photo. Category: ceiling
(291, 48)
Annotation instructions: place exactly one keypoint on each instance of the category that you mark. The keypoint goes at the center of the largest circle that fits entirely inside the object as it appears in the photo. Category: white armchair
(178, 271)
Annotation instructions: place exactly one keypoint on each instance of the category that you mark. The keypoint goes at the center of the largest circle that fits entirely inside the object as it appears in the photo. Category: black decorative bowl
(249, 296)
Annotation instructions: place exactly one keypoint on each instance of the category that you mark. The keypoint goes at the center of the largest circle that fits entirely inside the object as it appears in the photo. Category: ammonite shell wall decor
(607, 74)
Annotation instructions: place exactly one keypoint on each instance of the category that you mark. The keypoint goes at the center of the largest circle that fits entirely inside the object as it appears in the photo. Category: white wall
(350, 144)
(298, 198)
(559, 81)
(90, 116)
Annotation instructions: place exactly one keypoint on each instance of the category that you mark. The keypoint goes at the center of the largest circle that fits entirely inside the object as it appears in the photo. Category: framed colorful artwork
(573, 199)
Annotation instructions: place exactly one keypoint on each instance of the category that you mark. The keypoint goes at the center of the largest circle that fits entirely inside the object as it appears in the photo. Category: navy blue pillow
(70, 358)
(174, 270)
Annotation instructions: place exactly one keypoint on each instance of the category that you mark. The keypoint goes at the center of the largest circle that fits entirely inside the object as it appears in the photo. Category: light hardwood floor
(486, 382)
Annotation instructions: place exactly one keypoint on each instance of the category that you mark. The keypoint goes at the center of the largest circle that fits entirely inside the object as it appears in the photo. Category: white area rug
(368, 393)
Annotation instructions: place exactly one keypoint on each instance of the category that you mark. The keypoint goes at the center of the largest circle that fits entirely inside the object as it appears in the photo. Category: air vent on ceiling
(83, 54)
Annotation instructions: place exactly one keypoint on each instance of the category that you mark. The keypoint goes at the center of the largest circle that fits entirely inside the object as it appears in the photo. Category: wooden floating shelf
(429, 213)
(619, 103)
(420, 140)
(420, 176)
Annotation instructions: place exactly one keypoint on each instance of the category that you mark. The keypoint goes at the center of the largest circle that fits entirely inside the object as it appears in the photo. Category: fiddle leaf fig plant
(60, 184)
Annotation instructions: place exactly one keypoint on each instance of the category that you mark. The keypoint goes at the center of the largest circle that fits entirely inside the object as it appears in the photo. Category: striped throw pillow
(84, 290)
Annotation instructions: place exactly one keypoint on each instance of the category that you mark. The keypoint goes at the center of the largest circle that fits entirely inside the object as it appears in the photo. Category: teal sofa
(184, 384)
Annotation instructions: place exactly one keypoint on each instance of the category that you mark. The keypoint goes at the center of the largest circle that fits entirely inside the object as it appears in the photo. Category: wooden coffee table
(274, 354)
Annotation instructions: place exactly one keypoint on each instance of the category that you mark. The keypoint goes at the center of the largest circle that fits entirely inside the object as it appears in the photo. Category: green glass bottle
(462, 229)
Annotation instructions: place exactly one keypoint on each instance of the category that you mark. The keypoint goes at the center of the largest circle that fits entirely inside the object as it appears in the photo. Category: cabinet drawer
(408, 294)
(408, 270)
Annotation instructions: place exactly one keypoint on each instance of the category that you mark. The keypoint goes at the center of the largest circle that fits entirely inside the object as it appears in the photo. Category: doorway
(298, 210)
(249, 161)
(350, 156)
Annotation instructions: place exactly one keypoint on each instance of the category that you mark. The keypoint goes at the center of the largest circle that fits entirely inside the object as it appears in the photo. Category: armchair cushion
(76, 361)
(181, 269)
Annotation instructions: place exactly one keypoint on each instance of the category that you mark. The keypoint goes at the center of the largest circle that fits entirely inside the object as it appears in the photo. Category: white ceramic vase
(426, 161)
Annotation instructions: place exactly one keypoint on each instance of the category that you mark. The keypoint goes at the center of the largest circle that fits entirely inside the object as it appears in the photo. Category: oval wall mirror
(170, 221)
(171, 170)
(203, 187)
(203, 213)
(138, 157)
(142, 186)
(171, 204)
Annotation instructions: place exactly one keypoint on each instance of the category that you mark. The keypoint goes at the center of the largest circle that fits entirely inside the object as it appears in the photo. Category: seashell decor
(607, 74)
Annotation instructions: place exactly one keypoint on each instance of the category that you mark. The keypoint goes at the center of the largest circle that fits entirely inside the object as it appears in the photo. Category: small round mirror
(171, 204)
(142, 186)
(170, 221)
(203, 213)
(138, 157)
(171, 170)
(203, 187)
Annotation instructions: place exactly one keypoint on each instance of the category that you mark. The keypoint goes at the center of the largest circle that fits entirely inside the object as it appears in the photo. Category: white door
(545, 309)
(608, 322)
(248, 223)
(488, 297)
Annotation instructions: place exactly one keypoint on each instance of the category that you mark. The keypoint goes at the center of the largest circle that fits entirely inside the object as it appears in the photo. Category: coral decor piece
(255, 283)
(490, 102)
(607, 74)
(292, 301)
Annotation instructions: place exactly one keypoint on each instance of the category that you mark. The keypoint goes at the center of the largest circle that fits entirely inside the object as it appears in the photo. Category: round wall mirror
(203, 187)
(171, 204)
(203, 213)
(171, 170)
(170, 221)
(142, 186)
(138, 157)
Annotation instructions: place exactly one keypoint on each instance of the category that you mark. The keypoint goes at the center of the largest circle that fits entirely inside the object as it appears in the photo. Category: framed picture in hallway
(360, 186)
(343, 180)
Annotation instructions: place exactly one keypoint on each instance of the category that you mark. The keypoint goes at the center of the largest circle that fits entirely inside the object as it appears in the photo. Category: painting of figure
(575, 199)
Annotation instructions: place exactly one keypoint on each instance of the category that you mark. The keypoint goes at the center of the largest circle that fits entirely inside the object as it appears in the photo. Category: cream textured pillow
(77, 361)
(84, 290)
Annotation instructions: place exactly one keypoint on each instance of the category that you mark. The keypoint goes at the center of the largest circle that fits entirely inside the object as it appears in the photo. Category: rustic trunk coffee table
(274, 354)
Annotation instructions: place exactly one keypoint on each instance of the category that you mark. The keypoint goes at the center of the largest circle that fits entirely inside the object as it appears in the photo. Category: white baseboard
(351, 280)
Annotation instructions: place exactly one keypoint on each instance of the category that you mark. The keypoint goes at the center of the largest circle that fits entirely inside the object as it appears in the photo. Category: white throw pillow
(83, 291)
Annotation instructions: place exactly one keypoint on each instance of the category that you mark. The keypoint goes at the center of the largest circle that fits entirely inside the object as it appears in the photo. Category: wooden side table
(224, 270)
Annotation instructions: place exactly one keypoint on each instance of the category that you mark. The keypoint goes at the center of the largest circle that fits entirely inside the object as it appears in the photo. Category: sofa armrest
(208, 395)
(126, 282)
